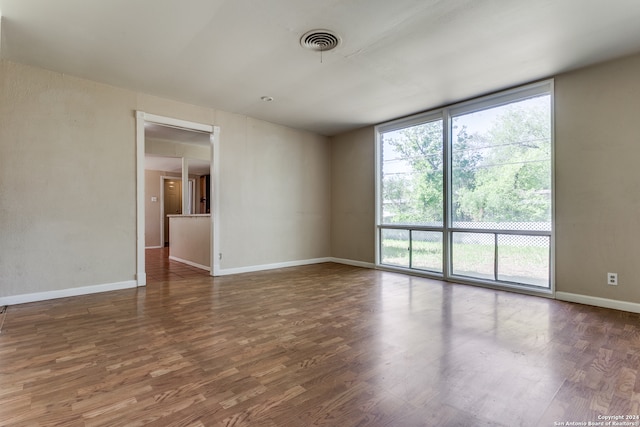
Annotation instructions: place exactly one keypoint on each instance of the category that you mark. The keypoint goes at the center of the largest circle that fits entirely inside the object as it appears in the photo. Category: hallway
(161, 269)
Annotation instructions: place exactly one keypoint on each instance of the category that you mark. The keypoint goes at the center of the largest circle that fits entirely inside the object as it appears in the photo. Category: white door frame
(214, 132)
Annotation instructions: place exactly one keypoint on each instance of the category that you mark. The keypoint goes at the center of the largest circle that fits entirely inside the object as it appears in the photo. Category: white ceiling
(397, 57)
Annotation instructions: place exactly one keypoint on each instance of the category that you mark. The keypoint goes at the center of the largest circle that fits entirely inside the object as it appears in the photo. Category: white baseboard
(599, 302)
(262, 267)
(191, 263)
(64, 293)
(354, 263)
(153, 247)
(254, 268)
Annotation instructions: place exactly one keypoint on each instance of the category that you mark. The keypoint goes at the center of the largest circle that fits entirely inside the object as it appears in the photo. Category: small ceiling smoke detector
(320, 40)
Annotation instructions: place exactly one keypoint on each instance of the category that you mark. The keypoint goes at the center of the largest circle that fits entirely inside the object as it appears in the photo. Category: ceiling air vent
(319, 40)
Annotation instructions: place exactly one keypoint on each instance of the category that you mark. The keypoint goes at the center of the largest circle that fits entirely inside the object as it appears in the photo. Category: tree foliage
(415, 194)
(499, 175)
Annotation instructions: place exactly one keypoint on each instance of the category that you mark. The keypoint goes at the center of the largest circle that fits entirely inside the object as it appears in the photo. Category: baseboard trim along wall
(85, 290)
(354, 263)
(262, 267)
(191, 263)
(599, 302)
(254, 268)
(64, 293)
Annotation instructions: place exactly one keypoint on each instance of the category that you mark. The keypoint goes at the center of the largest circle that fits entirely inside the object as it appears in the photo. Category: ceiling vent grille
(320, 40)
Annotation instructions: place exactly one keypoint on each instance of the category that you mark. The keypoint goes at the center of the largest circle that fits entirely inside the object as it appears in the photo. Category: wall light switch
(154, 199)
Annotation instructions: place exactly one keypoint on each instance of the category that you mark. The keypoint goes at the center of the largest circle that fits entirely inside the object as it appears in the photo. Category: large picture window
(466, 192)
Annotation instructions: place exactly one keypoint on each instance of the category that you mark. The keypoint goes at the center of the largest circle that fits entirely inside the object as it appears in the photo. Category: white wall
(276, 185)
(598, 180)
(353, 196)
(153, 211)
(166, 148)
(68, 182)
(67, 165)
(190, 242)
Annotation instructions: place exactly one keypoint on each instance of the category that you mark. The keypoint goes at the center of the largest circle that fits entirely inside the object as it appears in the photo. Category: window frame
(446, 114)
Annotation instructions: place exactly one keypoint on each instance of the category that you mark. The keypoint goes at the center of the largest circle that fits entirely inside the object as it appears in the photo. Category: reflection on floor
(161, 269)
(318, 345)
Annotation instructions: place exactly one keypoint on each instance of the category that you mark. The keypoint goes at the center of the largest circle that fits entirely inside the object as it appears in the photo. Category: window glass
(501, 167)
(412, 175)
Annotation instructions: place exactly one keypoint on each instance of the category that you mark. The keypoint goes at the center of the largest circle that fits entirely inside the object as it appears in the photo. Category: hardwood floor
(324, 344)
(161, 270)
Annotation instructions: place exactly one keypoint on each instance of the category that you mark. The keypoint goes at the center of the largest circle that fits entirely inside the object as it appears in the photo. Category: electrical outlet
(612, 279)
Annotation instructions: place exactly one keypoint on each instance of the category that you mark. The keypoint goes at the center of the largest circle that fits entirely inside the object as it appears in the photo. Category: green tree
(465, 157)
(513, 178)
(415, 195)
(499, 175)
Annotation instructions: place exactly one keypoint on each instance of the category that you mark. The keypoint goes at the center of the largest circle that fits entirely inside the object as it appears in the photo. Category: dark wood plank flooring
(325, 344)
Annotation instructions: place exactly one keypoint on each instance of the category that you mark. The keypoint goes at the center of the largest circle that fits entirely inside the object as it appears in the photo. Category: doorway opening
(189, 185)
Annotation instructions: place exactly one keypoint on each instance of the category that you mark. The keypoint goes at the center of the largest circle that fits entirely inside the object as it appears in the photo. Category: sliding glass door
(466, 192)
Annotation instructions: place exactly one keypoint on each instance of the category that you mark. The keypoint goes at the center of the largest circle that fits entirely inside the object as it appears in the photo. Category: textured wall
(597, 180)
(67, 164)
(189, 237)
(176, 149)
(68, 183)
(153, 211)
(353, 195)
(275, 193)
